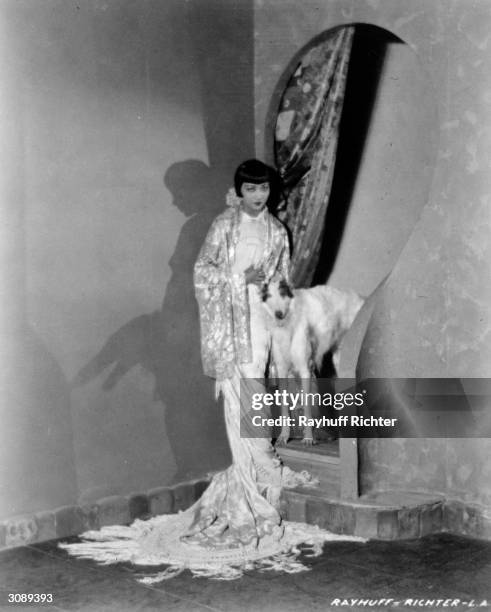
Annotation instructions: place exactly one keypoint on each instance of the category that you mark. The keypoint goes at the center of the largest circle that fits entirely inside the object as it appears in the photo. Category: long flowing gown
(236, 524)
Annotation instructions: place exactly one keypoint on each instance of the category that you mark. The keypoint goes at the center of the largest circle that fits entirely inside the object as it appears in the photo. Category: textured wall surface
(432, 318)
(125, 121)
(386, 199)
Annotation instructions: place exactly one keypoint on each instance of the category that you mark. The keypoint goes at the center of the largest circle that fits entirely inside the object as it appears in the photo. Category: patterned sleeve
(212, 287)
(284, 259)
(210, 268)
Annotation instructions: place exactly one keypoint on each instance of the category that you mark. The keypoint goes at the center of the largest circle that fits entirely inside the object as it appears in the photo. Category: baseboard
(448, 516)
(115, 510)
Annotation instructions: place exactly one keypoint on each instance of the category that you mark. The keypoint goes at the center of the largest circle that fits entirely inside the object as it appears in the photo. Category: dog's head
(277, 295)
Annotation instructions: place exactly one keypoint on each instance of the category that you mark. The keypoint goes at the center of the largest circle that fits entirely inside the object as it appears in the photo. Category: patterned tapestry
(306, 140)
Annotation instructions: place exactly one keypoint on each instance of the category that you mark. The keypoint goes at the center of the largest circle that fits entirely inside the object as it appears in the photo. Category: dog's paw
(308, 441)
(283, 438)
(308, 437)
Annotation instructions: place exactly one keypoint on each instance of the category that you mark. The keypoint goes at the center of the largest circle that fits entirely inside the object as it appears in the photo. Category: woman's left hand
(255, 276)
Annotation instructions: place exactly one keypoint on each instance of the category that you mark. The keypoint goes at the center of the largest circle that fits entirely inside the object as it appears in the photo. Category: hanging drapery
(305, 145)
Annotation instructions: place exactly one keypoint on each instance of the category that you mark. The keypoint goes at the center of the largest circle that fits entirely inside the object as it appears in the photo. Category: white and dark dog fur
(305, 325)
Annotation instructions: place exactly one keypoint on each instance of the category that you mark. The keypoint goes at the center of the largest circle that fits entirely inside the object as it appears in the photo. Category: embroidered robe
(222, 295)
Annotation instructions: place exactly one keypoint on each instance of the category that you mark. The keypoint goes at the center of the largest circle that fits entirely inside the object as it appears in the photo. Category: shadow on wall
(166, 342)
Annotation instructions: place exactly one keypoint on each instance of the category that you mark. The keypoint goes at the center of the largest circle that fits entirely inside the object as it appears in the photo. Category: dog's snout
(279, 315)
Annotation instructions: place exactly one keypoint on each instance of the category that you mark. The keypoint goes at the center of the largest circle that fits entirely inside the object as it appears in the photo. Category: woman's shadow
(167, 342)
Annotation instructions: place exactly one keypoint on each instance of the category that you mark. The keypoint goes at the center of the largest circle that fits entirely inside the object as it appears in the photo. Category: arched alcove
(384, 160)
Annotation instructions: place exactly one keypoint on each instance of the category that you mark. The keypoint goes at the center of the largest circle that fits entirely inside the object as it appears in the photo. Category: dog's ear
(285, 289)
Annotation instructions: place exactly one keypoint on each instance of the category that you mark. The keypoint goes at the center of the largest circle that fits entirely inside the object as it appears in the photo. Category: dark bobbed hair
(255, 171)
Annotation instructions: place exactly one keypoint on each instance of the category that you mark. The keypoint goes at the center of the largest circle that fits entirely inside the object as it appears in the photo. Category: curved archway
(384, 161)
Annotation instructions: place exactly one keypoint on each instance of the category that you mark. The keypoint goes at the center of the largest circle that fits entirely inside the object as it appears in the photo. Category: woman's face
(254, 197)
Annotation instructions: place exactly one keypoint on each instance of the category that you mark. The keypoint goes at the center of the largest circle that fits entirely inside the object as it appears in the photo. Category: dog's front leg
(308, 430)
(285, 429)
(279, 350)
(336, 359)
(301, 354)
(285, 408)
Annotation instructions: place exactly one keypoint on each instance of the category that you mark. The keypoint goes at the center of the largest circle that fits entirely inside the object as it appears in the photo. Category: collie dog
(305, 324)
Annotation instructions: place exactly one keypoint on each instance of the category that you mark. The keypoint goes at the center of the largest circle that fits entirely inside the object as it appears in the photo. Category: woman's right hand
(254, 276)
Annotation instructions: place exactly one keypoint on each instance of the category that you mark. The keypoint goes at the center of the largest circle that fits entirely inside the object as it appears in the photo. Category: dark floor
(435, 568)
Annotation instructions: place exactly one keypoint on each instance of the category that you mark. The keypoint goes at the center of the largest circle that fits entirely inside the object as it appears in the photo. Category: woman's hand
(254, 276)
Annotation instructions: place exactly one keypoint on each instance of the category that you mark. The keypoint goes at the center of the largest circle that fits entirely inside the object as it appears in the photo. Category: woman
(244, 248)
(235, 525)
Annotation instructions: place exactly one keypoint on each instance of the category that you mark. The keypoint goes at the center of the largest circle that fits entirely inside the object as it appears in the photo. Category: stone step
(383, 516)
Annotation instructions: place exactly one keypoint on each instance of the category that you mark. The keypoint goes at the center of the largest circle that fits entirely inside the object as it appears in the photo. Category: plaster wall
(387, 200)
(123, 122)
